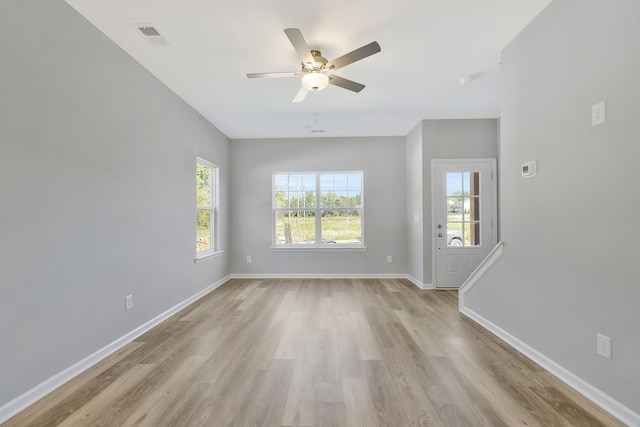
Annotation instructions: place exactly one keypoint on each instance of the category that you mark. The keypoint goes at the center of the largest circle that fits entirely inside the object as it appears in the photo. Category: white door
(464, 212)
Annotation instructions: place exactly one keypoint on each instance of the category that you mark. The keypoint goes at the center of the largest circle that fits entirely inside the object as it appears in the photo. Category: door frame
(494, 208)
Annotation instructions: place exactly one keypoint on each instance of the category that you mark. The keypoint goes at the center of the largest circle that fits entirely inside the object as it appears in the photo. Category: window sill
(208, 256)
(326, 248)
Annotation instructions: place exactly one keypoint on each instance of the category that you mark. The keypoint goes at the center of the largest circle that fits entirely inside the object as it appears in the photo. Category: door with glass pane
(464, 210)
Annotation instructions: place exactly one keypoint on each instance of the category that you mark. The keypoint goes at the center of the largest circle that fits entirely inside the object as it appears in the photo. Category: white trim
(205, 257)
(30, 397)
(597, 396)
(419, 284)
(318, 276)
(486, 265)
(416, 282)
(324, 247)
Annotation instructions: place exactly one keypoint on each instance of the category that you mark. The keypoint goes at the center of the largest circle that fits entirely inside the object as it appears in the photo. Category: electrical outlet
(389, 258)
(248, 259)
(604, 346)
(128, 302)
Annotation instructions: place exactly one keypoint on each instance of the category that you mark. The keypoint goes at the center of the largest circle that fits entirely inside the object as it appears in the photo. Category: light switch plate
(604, 346)
(598, 114)
(128, 302)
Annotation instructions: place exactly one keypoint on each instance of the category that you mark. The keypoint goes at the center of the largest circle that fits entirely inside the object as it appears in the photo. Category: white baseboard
(597, 396)
(418, 283)
(318, 276)
(30, 397)
(412, 279)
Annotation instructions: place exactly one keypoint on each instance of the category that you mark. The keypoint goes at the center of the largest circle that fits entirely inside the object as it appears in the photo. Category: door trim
(494, 208)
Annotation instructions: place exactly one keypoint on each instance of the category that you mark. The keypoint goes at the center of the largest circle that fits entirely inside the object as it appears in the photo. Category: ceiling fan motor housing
(319, 62)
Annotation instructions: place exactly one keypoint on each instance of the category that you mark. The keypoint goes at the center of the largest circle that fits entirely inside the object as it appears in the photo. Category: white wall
(253, 163)
(450, 139)
(571, 234)
(97, 193)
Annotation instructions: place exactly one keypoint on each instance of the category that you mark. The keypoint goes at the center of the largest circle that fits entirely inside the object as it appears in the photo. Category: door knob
(439, 234)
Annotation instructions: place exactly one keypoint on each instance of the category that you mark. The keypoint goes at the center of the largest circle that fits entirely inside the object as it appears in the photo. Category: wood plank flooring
(316, 352)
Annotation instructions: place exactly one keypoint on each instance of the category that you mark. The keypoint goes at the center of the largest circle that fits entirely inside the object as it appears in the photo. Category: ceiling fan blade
(300, 45)
(270, 75)
(301, 95)
(346, 84)
(354, 56)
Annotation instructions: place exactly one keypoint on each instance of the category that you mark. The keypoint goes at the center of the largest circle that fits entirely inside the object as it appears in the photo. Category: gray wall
(97, 190)
(451, 139)
(253, 163)
(415, 194)
(97, 193)
(569, 268)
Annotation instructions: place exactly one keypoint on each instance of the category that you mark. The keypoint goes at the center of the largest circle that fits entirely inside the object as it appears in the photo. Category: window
(463, 208)
(206, 208)
(317, 209)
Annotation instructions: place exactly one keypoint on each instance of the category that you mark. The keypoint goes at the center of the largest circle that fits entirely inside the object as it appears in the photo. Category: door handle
(439, 234)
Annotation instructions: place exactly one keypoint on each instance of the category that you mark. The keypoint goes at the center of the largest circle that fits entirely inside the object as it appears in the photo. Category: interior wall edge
(487, 264)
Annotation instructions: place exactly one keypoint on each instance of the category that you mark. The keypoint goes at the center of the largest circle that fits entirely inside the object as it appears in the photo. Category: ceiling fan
(315, 68)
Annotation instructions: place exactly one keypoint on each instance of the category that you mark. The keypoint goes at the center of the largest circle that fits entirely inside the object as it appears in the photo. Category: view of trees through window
(205, 207)
(463, 208)
(310, 204)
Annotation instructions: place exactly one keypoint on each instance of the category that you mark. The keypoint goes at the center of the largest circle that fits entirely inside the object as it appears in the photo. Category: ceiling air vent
(149, 31)
(151, 34)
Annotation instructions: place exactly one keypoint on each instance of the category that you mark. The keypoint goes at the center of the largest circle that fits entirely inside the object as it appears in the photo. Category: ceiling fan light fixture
(315, 81)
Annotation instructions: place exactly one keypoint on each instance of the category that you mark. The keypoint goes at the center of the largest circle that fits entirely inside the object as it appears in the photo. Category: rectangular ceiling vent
(149, 31)
(151, 34)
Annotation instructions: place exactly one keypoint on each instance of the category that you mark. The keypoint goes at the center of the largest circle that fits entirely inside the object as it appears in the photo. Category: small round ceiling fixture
(466, 80)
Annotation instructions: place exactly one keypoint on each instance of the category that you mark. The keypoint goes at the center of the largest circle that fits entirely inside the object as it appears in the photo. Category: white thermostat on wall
(529, 169)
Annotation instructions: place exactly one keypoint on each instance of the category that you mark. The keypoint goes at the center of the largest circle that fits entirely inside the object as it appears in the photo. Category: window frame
(469, 222)
(317, 209)
(214, 179)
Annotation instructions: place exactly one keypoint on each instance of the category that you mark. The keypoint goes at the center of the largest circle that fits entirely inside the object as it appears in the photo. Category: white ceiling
(427, 46)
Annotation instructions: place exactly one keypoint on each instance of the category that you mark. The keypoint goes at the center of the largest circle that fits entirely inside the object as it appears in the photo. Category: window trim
(317, 208)
(214, 234)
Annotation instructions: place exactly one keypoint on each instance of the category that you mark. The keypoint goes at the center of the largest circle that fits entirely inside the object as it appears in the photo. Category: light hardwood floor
(316, 352)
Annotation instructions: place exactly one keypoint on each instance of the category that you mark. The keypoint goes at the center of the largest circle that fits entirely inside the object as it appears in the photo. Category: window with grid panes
(318, 209)
(206, 207)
